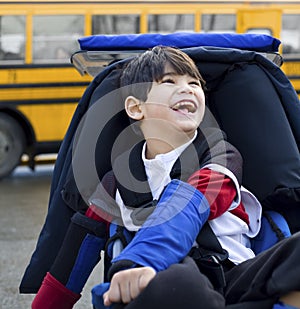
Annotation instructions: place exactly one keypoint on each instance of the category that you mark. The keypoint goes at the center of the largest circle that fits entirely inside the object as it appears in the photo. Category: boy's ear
(133, 108)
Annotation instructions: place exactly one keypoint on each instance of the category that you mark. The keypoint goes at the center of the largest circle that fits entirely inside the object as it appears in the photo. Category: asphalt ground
(23, 204)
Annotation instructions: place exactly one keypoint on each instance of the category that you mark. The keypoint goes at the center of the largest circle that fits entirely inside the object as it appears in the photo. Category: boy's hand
(127, 284)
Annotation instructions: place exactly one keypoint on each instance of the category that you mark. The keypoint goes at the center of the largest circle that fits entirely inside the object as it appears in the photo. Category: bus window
(290, 33)
(218, 22)
(12, 38)
(115, 24)
(265, 31)
(170, 22)
(55, 37)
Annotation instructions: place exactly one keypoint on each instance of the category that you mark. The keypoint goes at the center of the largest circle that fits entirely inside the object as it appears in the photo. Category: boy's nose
(186, 88)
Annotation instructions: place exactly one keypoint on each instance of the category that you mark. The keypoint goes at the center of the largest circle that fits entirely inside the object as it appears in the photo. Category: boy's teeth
(184, 106)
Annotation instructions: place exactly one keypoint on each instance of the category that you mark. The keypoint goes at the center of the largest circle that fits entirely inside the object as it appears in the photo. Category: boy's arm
(175, 236)
(169, 232)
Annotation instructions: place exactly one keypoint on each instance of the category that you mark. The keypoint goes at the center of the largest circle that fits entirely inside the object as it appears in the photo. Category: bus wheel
(12, 144)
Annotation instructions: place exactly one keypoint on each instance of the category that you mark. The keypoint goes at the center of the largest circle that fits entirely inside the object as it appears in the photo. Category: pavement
(23, 204)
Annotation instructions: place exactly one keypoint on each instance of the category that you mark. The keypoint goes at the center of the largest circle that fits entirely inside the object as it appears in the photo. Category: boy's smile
(185, 107)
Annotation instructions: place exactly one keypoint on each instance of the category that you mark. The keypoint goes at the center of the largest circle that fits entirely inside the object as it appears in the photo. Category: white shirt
(233, 233)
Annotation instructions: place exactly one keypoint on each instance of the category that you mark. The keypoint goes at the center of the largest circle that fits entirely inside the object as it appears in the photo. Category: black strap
(211, 258)
(209, 243)
(275, 228)
(92, 226)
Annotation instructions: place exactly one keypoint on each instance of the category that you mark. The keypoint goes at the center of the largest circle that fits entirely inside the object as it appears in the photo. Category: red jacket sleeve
(219, 191)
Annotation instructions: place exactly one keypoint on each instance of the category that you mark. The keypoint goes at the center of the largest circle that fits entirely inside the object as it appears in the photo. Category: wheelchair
(248, 97)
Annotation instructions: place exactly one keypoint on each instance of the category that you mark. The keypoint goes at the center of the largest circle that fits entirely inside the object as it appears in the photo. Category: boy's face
(178, 100)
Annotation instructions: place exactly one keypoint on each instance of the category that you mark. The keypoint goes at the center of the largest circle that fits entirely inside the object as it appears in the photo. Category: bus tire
(12, 144)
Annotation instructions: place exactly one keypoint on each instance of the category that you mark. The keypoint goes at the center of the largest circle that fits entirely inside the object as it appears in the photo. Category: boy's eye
(168, 80)
(195, 82)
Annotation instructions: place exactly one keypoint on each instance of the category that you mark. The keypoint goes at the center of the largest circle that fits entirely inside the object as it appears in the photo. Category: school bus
(39, 87)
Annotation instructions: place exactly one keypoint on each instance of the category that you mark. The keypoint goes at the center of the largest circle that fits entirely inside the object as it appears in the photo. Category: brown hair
(150, 65)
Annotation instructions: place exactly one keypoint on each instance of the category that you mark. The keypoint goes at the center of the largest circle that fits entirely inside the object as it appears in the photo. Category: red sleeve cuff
(54, 295)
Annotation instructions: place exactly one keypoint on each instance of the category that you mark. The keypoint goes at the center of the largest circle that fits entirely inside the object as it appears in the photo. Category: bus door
(260, 20)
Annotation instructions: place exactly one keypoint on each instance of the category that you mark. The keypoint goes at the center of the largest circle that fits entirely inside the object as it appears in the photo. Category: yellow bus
(39, 88)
